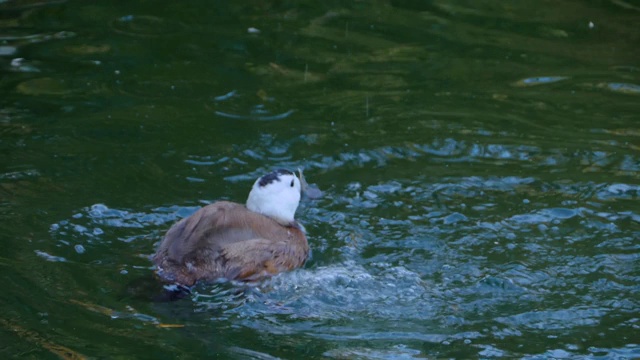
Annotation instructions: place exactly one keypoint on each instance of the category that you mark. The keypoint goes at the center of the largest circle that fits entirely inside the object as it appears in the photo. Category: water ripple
(146, 25)
(540, 80)
(554, 320)
(406, 258)
(234, 105)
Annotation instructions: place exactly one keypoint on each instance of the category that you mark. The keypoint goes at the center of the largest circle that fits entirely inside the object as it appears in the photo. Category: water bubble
(98, 210)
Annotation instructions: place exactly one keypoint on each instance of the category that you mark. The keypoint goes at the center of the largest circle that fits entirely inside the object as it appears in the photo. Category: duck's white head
(276, 195)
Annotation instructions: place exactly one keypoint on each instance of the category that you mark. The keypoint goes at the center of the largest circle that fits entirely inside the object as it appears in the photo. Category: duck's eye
(291, 183)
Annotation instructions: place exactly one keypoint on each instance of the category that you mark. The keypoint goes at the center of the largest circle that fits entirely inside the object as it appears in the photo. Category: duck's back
(225, 240)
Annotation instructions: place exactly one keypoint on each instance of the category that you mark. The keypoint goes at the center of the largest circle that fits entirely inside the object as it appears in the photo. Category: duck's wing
(255, 259)
(211, 226)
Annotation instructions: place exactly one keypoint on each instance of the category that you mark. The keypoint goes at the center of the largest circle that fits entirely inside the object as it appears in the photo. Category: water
(479, 164)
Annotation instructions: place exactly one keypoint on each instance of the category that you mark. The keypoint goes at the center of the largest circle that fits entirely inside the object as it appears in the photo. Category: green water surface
(480, 162)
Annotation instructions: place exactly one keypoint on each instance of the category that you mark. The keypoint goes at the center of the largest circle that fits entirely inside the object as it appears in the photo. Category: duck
(229, 241)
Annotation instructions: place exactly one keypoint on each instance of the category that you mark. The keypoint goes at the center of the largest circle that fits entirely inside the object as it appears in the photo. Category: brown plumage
(226, 240)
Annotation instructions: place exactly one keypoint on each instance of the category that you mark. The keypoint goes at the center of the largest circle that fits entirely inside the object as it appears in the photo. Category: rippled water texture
(479, 164)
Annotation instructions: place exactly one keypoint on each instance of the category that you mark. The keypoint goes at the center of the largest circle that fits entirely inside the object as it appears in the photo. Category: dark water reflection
(479, 163)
